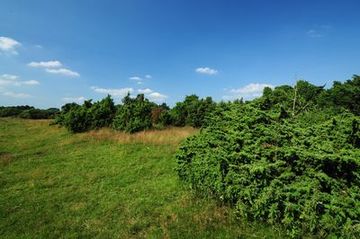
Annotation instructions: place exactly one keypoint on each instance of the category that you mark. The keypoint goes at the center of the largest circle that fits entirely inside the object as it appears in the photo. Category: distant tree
(343, 95)
(13, 111)
(28, 112)
(192, 111)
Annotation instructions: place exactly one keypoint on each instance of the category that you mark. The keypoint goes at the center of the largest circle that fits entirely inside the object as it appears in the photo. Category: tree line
(138, 113)
(134, 114)
(28, 112)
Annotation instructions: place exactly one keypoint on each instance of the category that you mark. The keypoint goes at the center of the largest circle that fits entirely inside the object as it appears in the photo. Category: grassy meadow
(103, 184)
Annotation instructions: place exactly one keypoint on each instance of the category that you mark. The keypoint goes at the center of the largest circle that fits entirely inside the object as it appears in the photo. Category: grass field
(103, 184)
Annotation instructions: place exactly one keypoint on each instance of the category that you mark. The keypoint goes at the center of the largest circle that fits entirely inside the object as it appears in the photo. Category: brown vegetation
(171, 135)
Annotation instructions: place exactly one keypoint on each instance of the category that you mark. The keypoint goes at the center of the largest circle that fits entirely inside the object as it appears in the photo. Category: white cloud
(139, 80)
(157, 97)
(9, 77)
(30, 82)
(206, 71)
(9, 45)
(16, 95)
(63, 71)
(319, 31)
(152, 95)
(45, 64)
(54, 67)
(121, 92)
(145, 91)
(250, 88)
(13, 80)
(314, 33)
(136, 78)
(249, 91)
(7, 81)
(78, 100)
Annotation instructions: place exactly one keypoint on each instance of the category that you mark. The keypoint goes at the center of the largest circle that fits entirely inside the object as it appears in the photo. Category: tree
(192, 111)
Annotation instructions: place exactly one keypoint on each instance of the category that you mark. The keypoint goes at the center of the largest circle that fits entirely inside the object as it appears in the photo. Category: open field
(54, 184)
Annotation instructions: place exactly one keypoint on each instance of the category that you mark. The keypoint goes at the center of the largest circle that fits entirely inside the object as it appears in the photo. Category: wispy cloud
(78, 100)
(319, 31)
(45, 64)
(9, 77)
(139, 80)
(157, 97)
(63, 71)
(247, 92)
(153, 95)
(145, 91)
(120, 92)
(13, 80)
(9, 45)
(54, 67)
(15, 95)
(30, 82)
(136, 78)
(206, 71)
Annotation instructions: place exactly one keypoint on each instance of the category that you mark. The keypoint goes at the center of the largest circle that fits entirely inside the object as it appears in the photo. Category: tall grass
(172, 135)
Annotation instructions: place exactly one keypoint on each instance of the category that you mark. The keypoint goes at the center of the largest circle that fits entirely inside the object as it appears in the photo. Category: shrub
(102, 113)
(134, 114)
(303, 175)
(77, 120)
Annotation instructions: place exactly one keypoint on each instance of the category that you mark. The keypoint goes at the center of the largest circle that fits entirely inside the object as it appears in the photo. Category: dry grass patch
(172, 135)
(5, 158)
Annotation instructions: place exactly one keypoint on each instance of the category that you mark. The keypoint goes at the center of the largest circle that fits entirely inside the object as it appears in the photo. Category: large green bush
(134, 114)
(102, 113)
(77, 119)
(301, 173)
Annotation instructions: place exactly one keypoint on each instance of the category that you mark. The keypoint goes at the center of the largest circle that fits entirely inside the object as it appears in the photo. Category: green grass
(57, 185)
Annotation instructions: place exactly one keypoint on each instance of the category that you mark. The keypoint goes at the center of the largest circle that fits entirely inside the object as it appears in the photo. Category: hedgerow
(302, 173)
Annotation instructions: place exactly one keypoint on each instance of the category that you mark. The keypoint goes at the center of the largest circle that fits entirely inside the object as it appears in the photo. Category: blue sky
(53, 52)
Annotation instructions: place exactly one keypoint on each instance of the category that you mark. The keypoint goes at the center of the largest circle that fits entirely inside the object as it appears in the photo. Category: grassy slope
(54, 184)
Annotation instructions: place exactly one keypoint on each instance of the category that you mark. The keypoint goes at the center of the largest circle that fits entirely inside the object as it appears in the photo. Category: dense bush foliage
(134, 114)
(28, 112)
(80, 118)
(286, 158)
(303, 175)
